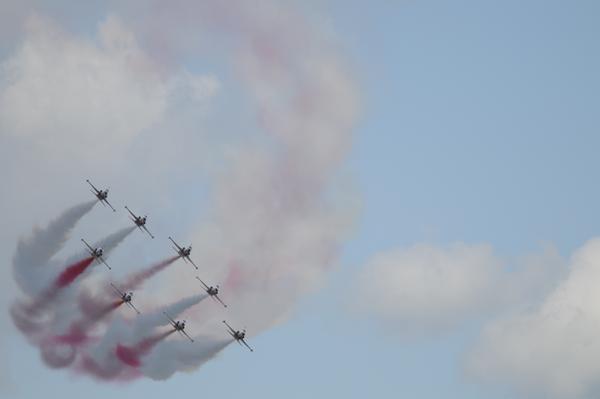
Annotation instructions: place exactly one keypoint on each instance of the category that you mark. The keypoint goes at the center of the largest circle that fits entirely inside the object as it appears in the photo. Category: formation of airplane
(96, 253)
(179, 326)
(183, 252)
(140, 221)
(213, 292)
(125, 297)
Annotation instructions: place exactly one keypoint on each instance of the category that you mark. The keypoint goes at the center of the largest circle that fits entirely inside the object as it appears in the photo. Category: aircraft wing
(129, 210)
(178, 247)
(108, 203)
(147, 231)
(184, 333)
(219, 299)
(117, 290)
(191, 261)
(90, 183)
(170, 319)
(87, 245)
(101, 259)
(231, 330)
(132, 307)
(247, 346)
(203, 283)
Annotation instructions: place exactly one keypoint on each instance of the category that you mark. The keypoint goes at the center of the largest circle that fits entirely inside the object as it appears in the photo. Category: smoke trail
(79, 332)
(157, 318)
(114, 372)
(112, 241)
(280, 243)
(58, 356)
(175, 355)
(76, 336)
(72, 272)
(36, 251)
(136, 279)
(105, 363)
(108, 243)
(94, 309)
(45, 243)
(131, 355)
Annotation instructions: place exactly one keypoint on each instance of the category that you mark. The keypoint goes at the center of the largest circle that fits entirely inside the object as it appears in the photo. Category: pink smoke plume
(131, 355)
(78, 333)
(72, 272)
(136, 279)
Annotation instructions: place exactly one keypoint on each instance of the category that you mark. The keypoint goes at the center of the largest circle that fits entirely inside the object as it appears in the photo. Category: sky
(412, 183)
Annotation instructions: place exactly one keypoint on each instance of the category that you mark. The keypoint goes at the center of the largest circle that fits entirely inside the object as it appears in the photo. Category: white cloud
(67, 93)
(553, 350)
(429, 288)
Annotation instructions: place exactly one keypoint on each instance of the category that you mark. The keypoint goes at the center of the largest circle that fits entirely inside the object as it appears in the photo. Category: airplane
(183, 252)
(140, 221)
(179, 326)
(238, 335)
(102, 195)
(125, 297)
(212, 291)
(96, 253)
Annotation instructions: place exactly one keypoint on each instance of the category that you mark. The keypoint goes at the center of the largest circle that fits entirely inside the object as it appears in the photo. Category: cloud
(67, 93)
(553, 349)
(427, 288)
(434, 289)
(60, 88)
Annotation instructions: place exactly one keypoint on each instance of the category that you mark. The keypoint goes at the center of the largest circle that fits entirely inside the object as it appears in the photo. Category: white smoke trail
(157, 318)
(108, 244)
(172, 356)
(34, 252)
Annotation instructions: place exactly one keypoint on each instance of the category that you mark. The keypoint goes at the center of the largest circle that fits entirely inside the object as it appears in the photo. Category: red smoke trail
(64, 279)
(106, 372)
(131, 355)
(138, 278)
(235, 277)
(106, 310)
(94, 311)
(77, 335)
(72, 272)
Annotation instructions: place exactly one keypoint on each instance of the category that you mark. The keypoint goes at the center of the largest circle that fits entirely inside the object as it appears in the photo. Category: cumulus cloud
(552, 350)
(59, 87)
(425, 287)
(62, 88)
(432, 289)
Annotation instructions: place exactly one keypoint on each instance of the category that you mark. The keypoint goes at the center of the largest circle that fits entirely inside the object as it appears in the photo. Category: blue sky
(479, 124)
